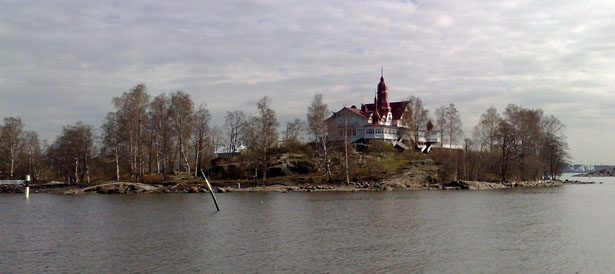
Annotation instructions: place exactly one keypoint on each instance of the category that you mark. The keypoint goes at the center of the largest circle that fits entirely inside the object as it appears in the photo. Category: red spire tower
(381, 102)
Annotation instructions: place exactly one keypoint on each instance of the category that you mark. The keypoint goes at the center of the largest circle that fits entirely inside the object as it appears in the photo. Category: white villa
(379, 121)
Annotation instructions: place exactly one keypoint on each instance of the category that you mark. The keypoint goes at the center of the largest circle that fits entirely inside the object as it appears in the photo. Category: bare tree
(526, 123)
(441, 120)
(217, 139)
(11, 141)
(267, 129)
(131, 115)
(316, 116)
(294, 130)
(160, 125)
(181, 109)
(453, 124)
(111, 140)
(72, 151)
(506, 144)
(486, 130)
(553, 147)
(417, 118)
(250, 138)
(201, 133)
(32, 149)
(232, 125)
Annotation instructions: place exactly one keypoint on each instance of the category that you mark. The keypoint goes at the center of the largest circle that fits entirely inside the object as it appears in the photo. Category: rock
(119, 188)
(456, 184)
(104, 189)
(221, 190)
(122, 189)
(193, 189)
(396, 185)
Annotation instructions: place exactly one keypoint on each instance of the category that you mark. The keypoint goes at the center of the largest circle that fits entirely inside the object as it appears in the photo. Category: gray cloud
(62, 62)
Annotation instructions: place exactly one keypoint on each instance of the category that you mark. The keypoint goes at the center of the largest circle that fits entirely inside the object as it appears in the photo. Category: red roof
(354, 110)
(357, 111)
(397, 108)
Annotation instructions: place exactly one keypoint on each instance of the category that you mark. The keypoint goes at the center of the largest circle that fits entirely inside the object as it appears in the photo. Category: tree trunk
(86, 168)
(326, 157)
(265, 166)
(197, 160)
(12, 162)
(76, 170)
(117, 163)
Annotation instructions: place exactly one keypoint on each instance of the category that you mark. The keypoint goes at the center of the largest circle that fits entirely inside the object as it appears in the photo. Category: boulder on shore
(116, 188)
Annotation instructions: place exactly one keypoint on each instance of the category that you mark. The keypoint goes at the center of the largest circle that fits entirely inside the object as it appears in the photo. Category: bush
(380, 147)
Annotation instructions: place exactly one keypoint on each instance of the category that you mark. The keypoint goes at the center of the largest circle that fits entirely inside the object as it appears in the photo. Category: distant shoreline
(598, 173)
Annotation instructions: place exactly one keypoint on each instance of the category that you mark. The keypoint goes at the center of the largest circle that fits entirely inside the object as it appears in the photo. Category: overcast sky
(63, 61)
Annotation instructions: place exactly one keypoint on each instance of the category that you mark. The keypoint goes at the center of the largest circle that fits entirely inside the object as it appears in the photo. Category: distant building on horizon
(379, 121)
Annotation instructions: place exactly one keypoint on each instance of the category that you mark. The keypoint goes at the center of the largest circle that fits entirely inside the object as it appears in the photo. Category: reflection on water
(562, 229)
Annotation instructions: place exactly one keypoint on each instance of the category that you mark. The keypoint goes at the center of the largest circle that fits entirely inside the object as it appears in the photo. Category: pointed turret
(383, 105)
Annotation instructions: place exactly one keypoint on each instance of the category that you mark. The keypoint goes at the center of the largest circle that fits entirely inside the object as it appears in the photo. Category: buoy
(27, 186)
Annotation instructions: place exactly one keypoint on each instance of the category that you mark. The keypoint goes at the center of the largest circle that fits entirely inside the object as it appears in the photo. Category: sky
(63, 61)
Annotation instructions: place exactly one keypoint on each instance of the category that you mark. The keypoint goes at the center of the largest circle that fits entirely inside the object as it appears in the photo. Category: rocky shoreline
(402, 183)
(396, 186)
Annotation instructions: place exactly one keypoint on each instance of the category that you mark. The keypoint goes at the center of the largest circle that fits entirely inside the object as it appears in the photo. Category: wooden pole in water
(210, 190)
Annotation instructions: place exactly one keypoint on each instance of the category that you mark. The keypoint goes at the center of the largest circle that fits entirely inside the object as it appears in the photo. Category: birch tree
(267, 129)
(294, 129)
(33, 153)
(233, 122)
(553, 147)
(111, 140)
(72, 151)
(486, 130)
(162, 143)
(181, 110)
(11, 142)
(453, 124)
(416, 117)
(201, 133)
(250, 137)
(316, 116)
(131, 115)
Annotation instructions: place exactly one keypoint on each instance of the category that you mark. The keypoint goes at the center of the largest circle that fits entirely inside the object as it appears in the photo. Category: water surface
(562, 229)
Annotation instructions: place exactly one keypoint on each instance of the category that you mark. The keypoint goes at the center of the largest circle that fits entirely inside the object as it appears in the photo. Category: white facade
(360, 127)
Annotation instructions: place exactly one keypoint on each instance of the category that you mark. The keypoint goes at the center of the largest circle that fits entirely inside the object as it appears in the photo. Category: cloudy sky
(63, 61)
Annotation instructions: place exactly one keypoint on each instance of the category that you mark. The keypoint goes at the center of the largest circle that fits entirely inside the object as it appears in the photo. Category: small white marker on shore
(27, 186)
